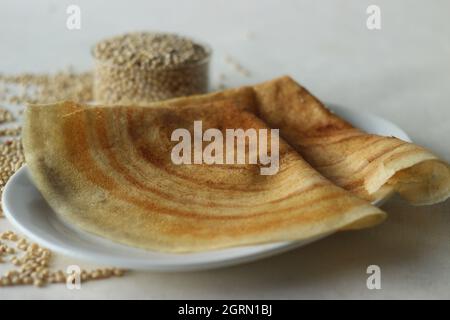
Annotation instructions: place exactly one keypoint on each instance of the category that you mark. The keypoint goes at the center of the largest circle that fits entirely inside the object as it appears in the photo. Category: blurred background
(402, 69)
(400, 72)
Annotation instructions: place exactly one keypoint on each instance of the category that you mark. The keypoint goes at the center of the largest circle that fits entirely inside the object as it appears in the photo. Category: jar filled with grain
(141, 67)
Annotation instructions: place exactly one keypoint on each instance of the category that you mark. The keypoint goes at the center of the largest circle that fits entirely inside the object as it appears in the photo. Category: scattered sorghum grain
(31, 263)
(5, 115)
(237, 66)
(10, 131)
(11, 159)
(46, 88)
(32, 266)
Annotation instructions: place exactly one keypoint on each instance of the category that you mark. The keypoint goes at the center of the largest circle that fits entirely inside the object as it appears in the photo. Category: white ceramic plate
(29, 212)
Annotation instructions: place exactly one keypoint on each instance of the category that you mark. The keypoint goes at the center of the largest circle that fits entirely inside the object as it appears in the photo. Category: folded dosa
(368, 165)
(108, 170)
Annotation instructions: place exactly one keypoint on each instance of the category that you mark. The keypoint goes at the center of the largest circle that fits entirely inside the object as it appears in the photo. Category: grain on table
(30, 263)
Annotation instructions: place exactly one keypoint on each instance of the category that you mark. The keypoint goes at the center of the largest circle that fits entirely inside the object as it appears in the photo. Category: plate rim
(138, 263)
(219, 262)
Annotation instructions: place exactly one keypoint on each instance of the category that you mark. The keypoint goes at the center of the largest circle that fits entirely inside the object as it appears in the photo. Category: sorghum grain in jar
(141, 67)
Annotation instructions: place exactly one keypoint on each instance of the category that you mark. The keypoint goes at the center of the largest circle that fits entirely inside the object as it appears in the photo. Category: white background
(401, 72)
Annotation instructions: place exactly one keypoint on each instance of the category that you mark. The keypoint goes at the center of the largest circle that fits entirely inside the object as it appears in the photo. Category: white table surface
(401, 72)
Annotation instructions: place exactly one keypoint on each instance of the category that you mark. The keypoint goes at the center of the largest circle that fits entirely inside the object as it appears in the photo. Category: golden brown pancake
(368, 165)
(109, 171)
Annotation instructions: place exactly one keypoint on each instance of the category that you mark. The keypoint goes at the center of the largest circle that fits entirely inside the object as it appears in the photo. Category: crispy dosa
(368, 165)
(109, 171)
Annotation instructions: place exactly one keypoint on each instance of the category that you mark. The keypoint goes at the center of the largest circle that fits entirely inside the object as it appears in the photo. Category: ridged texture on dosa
(108, 171)
(368, 165)
(365, 164)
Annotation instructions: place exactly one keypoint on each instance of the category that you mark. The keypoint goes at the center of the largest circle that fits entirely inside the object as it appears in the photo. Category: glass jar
(131, 83)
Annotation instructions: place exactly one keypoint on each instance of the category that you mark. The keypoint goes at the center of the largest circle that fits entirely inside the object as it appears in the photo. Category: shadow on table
(409, 235)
